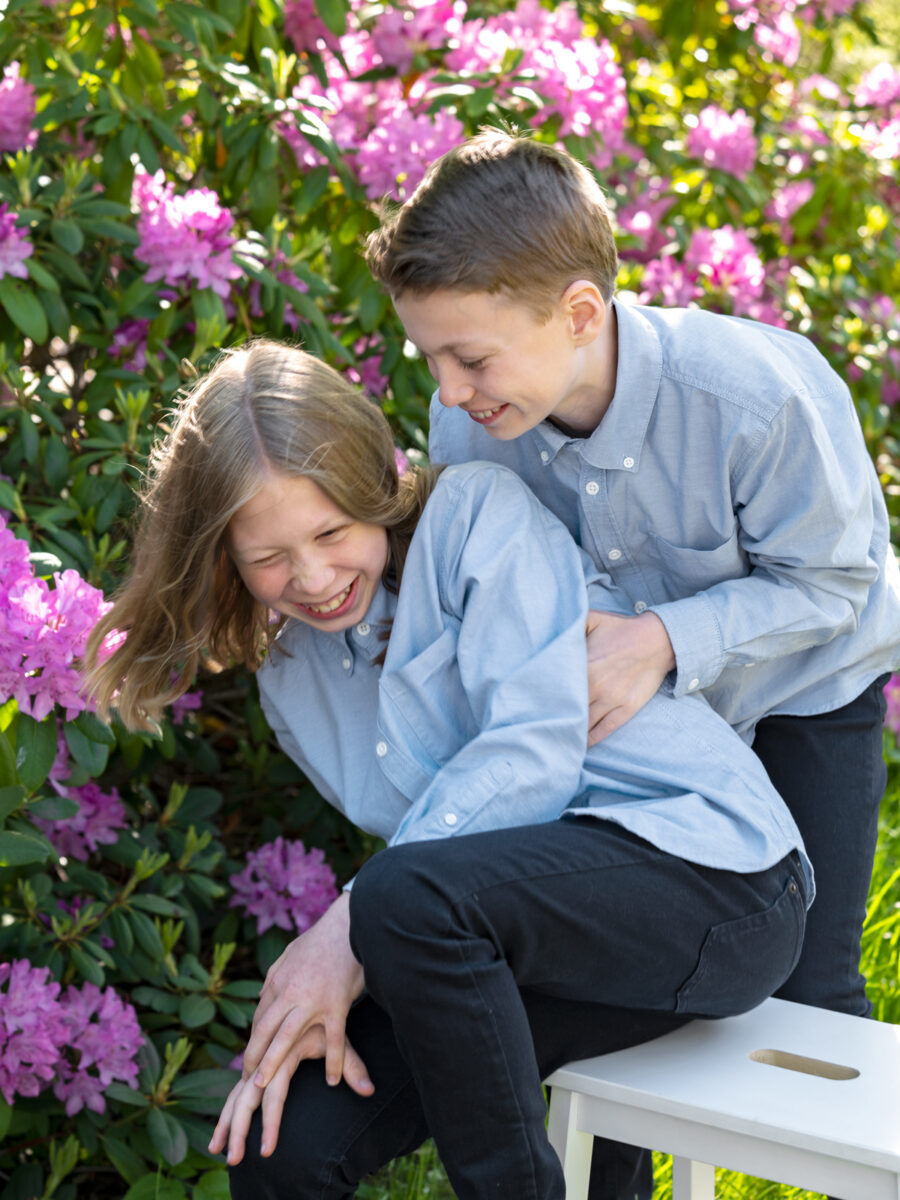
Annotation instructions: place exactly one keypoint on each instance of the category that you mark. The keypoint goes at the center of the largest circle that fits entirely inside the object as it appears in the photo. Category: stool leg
(572, 1145)
(692, 1180)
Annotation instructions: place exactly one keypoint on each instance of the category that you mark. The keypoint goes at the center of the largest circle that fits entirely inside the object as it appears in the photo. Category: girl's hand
(628, 658)
(245, 1097)
(302, 1013)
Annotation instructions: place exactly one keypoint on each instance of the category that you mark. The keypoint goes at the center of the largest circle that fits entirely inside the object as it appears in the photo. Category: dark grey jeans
(492, 959)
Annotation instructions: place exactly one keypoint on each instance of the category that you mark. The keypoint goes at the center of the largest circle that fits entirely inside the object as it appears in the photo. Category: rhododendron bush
(178, 176)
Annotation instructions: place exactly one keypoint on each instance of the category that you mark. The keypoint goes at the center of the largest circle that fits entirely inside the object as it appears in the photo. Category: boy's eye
(472, 364)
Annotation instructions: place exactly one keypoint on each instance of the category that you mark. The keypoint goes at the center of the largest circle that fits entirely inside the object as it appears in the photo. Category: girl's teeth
(331, 605)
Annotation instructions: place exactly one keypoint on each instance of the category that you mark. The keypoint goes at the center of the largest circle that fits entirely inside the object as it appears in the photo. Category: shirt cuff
(696, 639)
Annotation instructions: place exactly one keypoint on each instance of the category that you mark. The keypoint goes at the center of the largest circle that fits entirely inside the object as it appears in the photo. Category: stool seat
(786, 1092)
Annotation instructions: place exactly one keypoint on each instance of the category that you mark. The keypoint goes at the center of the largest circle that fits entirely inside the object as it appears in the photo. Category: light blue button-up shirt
(728, 489)
(478, 718)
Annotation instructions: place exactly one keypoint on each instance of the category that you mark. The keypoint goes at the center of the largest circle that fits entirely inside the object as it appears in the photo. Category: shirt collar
(617, 442)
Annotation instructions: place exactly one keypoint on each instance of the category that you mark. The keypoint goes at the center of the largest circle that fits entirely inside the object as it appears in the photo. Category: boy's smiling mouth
(485, 415)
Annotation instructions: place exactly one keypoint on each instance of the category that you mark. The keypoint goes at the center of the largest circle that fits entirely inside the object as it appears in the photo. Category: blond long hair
(265, 407)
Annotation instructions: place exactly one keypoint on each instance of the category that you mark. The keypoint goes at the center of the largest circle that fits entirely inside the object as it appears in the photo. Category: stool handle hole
(807, 1066)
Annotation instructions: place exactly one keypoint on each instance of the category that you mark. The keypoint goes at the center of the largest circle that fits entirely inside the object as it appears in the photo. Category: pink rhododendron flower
(42, 632)
(183, 237)
(393, 158)
(401, 460)
(14, 245)
(367, 365)
(284, 884)
(414, 26)
(188, 702)
(17, 109)
(129, 343)
(102, 1038)
(32, 1028)
(666, 279)
(724, 140)
(644, 220)
(779, 38)
(786, 202)
(729, 262)
(305, 27)
(882, 141)
(100, 815)
(878, 87)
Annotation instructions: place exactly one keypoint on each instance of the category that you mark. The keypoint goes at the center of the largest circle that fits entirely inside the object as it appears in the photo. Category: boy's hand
(301, 1014)
(628, 658)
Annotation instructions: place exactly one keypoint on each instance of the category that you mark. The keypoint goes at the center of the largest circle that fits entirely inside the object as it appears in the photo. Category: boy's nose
(454, 389)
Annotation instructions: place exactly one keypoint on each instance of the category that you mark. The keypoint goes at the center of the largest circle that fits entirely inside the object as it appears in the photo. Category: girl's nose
(312, 575)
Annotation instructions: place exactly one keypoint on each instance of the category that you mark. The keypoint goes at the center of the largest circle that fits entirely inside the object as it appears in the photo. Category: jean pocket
(743, 961)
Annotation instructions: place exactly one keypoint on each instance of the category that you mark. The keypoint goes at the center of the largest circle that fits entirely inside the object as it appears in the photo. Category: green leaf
(67, 234)
(195, 1011)
(36, 746)
(87, 967)
(53, 808)
(17, 849)
(41, 275)
(95, 729)
(146, 934)
(155, 1187)
(167, 1136)
(156, 904)
(11, 798)
(87, 753)
(23, 309)
(130, 1165)
(212, 1185)
(5, 1117)
(10, 499)
(210, 1083)
(120, 931)
(334, 14)
(8, 775)
(126, 1095)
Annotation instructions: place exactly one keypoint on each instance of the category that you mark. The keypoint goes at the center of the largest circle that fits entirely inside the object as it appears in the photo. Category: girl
(494, 940)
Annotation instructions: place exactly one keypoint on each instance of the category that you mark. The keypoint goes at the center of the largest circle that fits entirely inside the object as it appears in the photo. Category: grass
(421, 1175)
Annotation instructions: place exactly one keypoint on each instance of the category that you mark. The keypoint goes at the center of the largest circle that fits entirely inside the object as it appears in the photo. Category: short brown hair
(501, 212)
(266, 407)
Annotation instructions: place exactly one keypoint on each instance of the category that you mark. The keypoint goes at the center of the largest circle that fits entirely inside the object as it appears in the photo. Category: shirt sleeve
(806, 510)
(511, 584)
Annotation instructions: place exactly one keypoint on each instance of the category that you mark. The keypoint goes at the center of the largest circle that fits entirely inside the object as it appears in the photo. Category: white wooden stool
(785, 1092)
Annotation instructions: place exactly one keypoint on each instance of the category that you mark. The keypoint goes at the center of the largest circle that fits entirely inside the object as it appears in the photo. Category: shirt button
(640, 606)
(363, 629)
(628, 462)
(346, 663)
(545, 456)
(592, 488)
(381, 749)
(614, 555)
(450, 819)
(693, 685)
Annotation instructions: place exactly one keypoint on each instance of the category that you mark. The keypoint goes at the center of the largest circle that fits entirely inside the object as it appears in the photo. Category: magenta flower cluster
(99, 818)
(774, 23)
(723, 262)
(17, 109)
(724, 140)
(14, 245)
(388, 127)
(284, 884)
(183, 237)
(42, 631)
(82, 1040)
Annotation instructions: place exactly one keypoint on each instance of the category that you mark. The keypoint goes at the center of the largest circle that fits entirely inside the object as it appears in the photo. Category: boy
(714, 467)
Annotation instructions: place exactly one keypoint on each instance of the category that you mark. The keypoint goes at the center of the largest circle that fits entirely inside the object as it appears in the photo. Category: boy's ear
(585, 310)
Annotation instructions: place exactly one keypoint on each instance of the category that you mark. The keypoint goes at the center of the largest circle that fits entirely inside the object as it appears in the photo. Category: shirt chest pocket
(685, 570)
(423, 708)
